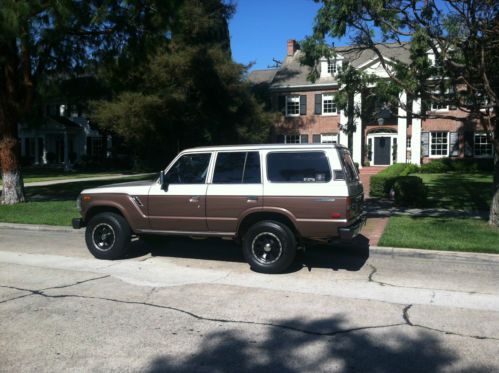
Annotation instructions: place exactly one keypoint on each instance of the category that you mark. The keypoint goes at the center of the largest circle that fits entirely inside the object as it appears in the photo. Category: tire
(269, 247)
(108, 236)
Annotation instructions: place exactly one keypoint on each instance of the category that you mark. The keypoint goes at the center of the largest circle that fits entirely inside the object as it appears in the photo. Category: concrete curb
(402, 251)
(38, 227)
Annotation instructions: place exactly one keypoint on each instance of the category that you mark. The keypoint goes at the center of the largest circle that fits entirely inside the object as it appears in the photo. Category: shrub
(410, 169)
(382, 183)
(409, 191)
(436, 166)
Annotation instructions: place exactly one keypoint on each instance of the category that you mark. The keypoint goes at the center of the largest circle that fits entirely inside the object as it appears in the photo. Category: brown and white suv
(271, 198)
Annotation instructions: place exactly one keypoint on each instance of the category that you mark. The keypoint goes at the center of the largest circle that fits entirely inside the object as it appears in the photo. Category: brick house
(383, 135)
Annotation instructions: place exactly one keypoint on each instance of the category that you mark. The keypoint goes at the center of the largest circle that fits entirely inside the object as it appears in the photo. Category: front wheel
(108, 236)
(269, 247)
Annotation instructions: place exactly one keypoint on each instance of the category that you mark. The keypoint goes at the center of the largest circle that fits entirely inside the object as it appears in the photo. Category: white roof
(262, 147)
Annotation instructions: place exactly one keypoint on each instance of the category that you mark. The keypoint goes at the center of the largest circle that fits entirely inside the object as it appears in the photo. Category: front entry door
(382, 147)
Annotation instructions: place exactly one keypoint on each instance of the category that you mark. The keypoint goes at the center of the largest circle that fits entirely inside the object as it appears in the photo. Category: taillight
(349, 211)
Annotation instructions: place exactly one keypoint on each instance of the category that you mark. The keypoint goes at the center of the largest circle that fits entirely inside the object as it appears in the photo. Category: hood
(131, 187)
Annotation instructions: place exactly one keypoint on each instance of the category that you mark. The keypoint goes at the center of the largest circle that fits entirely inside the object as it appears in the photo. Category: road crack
(408, 322)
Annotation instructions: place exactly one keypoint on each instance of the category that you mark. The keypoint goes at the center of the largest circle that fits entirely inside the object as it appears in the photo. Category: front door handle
(252, 199)
(194, 199)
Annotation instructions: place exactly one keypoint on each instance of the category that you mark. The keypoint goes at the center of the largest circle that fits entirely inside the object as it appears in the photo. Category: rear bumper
(348, 233)
(78, 223)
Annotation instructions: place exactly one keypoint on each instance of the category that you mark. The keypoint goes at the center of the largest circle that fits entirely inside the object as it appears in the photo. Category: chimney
(292, 47)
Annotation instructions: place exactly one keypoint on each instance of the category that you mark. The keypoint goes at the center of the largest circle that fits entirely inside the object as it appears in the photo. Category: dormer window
(331, 67)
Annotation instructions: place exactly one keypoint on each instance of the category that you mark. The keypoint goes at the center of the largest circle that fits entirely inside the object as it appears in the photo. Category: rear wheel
(108, 236)
(269, 247)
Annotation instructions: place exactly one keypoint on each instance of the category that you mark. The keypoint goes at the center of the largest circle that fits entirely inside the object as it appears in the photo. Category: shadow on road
(295, 345)
(350, 257)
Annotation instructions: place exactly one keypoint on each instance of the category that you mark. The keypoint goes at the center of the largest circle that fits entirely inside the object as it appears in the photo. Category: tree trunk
(494, 206)
(13, 188)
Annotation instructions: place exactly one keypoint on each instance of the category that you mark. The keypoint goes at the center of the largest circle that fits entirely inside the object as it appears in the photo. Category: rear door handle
(252, 199)
(194, 199)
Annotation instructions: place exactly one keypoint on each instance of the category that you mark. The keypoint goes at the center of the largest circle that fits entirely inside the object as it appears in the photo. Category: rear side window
(237, 168)
(348, 165)
(298, 167)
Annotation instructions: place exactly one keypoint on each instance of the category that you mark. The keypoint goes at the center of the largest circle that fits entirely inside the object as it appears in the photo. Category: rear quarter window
(298, 167)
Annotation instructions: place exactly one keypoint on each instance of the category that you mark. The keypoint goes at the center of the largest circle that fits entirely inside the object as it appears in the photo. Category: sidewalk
(375, 224)
(95, 178)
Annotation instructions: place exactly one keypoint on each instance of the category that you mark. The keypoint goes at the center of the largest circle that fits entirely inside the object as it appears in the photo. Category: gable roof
(293, 74)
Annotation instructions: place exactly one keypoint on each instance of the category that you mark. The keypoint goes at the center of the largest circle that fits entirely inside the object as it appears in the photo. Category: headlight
(78, 203)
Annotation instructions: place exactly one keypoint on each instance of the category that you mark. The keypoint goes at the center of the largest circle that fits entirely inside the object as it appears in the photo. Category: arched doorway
(382, 146)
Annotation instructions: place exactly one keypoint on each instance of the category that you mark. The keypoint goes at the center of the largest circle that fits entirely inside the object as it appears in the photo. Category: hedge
(382, 183)
(461, 165)
(409, 191)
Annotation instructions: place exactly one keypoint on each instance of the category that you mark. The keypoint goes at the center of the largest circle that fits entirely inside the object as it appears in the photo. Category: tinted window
(348, 165)
(189, 169)
(237, 168)
(229, 168)
(299, 167)
(252, 169)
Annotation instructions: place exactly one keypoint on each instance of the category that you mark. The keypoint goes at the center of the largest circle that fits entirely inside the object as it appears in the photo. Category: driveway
(193, 305)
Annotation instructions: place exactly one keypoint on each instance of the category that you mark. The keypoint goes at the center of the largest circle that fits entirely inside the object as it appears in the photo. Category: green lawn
(453, 191)
(53, 204)
(456, 191)
(34, 174)
(454, 234)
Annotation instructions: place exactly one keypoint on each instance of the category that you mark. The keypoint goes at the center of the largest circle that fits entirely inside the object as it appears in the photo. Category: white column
(44, 152)
(343, 137)
(67, 166)
(37, 150)
(402, 130)
(416, 133)
(357, 135)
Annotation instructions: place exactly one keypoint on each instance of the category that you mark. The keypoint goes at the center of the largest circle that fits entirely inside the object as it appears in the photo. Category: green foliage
(460, 165)
(188, 93)
(382, 183)
(410, 191)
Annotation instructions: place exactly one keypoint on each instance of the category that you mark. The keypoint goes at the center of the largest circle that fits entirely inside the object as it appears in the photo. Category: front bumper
(348, 233)
(78, 223)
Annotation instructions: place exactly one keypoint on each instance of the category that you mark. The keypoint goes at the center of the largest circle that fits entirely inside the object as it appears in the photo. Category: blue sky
(260, 29)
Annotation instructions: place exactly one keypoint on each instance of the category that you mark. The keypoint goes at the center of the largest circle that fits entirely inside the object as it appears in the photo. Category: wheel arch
(254, 217)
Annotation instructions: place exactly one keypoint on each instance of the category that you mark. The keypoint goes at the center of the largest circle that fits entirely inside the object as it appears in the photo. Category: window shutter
(303, 105)
(468, 143)
(318, 104)
(316, 139)
(425, 144)
(454, 144)
(303, 139)
(282, 104)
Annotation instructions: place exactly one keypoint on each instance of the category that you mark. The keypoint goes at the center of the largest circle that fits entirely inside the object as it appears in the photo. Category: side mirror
(162, 183)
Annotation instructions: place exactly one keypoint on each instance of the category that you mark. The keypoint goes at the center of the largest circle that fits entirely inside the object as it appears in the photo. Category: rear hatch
(355, 189)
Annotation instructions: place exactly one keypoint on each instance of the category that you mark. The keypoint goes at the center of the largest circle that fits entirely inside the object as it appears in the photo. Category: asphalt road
(194, 305)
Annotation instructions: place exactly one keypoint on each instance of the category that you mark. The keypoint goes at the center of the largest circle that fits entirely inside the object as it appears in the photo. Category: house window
(408, 142)
(438, 106)
(96, 146)
(331, 67)
(439, 144)
(482, 146)
(292, 139)
(328, 105)
(329, 138)
(292, 106)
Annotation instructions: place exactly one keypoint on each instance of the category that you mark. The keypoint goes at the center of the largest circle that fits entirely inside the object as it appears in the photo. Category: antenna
(275, 65)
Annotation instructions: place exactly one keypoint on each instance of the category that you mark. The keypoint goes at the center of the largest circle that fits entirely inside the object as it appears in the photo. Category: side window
(237, 168)
(252, 169)
(189, 169)
(229, 168)
(298, 167)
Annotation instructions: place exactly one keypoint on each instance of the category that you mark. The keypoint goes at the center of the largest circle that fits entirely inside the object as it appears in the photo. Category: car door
(181, 206)
(236, 188)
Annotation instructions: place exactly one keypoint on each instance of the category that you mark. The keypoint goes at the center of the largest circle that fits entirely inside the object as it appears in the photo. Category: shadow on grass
(460, 191)
(336, 257)
(298, 345)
